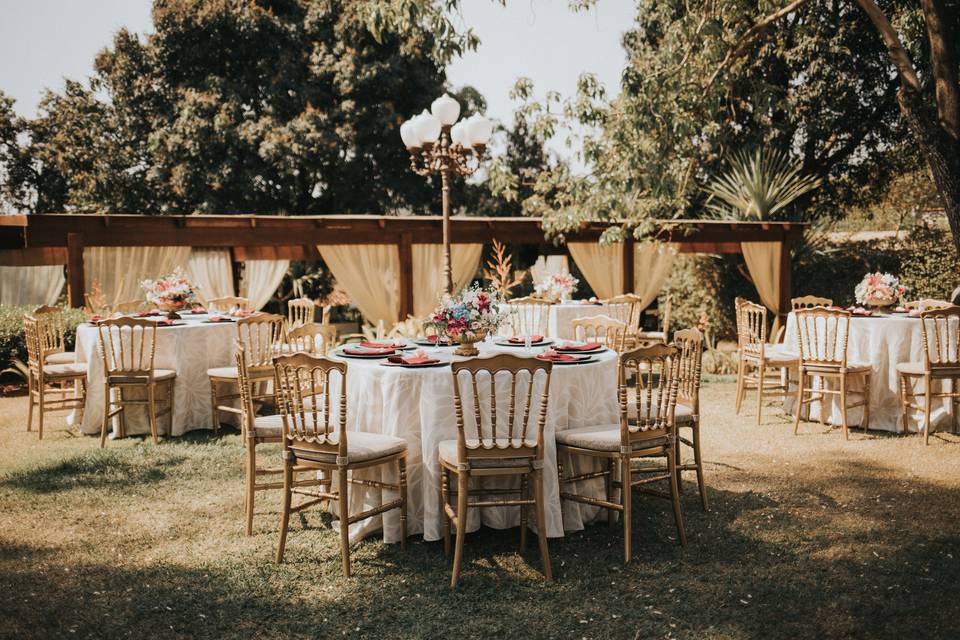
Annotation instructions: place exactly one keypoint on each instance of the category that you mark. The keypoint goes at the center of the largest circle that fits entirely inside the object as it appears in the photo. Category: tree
(230, 106)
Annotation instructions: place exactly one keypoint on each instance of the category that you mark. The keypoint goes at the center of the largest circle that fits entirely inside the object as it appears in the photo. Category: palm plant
(758, 185)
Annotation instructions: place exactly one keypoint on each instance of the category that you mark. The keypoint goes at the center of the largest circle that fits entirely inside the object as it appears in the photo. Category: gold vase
(468, 342)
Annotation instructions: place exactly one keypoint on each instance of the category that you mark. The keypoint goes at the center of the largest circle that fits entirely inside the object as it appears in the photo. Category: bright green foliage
(236, 106)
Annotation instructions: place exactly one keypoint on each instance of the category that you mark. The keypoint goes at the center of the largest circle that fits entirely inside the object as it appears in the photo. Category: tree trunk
(941, 151)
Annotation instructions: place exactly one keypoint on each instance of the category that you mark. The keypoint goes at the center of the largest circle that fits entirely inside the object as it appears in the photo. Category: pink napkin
(147, 314)
(198, 310)
(369, 352)
(520, 340)
(416, 359)
(218, 319)
(552, 356)
(97, 318)
(166, 322)
(590, 346)
(592, 301)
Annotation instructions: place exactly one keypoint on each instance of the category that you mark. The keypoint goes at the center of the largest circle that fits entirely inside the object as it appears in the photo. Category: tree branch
(898, 55)
(750, 36)
(943, 59)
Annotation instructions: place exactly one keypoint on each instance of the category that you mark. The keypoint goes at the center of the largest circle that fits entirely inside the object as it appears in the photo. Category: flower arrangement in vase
(170, 293)
(467, 317)
(557, 286)
(879, 290)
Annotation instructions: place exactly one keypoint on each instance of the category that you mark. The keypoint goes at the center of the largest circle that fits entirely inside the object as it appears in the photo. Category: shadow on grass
(96, 469)
(845, 551)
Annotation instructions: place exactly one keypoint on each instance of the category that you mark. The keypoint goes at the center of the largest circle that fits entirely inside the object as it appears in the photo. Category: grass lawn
(808, 537)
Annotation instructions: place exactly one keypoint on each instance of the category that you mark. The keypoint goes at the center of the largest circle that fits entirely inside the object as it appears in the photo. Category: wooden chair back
(52, 329)
(480, 386)
(808, 302)
(311, 393)
(626, 309)
(129, 306)
(689, 344)
(530, 316)
(300, 311)
(262, 337)
(751, 327)
(228, 304)
(608, 331)
(822, 334)
(312, 338)
(655, 368)
(128, 346)
(941, 339)
(926, 303)
(247, 412)
(32, 335)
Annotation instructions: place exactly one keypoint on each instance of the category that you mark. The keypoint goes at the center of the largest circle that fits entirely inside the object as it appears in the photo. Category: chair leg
(444, 503)
(251, 480)
(741, 374)
(843, 406)
(523, 512)
(799, 407)
(927, 406)
(761, 372)
(541, 523)
(343, 502)
(626, 497)
(902, 395)
(675, 498)
(676, 453)
(402, 465)
(213, 405)
(698, 460)
(611, 469)
(285, 512)
(30, 405)
(40, 407)
(106, 415)
(152, 407)
(462, 480)
(866, 402)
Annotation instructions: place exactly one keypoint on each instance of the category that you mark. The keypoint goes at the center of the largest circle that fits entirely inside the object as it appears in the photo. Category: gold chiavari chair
(607, 331)
(809, 302)
(926, 304)
(664, 316)
(822, 335)
(262, 337)
(530, 316)
(129, 306)
(649, 433)
(689, 344)
(315, 437)
(941, 363)
(495, 448)
(53, 335)
(300, 311)
(312, 338)
(760, 364)
(626, 309)
(128, 347)
(228, 304)
(43, 374)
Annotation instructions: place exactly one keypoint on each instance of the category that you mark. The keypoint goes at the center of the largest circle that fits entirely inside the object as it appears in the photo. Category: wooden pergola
(51, 239)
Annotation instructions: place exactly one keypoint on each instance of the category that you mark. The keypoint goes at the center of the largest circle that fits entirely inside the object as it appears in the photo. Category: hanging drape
(119, 270)
(601, 265)
(370, 274)
(33, 286)
(545, 265)
(428, 281)
(763, 264)
(652, 262)
(211, 272)
(261, 279)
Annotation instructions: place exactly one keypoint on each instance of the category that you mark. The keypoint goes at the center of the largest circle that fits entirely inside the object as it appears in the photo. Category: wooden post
(628, 266)
(406, 275)
(785, 276)
(234, 271)
(75, 275)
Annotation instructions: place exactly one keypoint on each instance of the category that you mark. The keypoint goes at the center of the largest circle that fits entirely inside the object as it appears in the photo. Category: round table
(189, 349)
(883, 342)
(562, 315)
(416, 404)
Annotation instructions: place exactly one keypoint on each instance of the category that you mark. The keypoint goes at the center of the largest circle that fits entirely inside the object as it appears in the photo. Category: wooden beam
(628, 284)
(235, 271)
(41, 256)
(76, 287)
(406, 275)
(786, 265)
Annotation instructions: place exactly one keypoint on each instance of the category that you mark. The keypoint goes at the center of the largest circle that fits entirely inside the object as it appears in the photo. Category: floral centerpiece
(170, 293)
(879, 290)
(467, 317)
(557, 286)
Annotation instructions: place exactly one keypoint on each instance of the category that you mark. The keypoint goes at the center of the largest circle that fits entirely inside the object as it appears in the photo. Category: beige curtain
(370, 274)
(428, 281)
(211, 272)
(652, 262)
(545, 265)
(601, 265)
(31, 286)
(261, 279)
(119, 270)
(763, 263)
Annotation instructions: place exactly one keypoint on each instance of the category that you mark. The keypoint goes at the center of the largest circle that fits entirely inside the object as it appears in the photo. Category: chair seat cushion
(682, 412)
(64, 370)
(449, 453)
(651, 335)
(159, 375)
(223, 372)
(63, 357)
(361, 445)
(852, 367)
(603, 438)
(912, 368)
(776, 354)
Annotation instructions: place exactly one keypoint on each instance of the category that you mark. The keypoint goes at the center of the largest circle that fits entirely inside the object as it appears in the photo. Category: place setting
(525, 341)
(372, 350)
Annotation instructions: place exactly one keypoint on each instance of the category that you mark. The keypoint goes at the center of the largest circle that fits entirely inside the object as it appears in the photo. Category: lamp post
(439, 144)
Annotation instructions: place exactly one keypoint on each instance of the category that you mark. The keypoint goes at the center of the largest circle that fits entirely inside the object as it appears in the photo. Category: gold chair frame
(228, 303)
(530, 316)
(608, 331)
(927, 304)
(689, 344)
(300, 312)
(757, 369)
(809, 302)
(498, 450)
(304, 338)
(665, 316)
(41, 375)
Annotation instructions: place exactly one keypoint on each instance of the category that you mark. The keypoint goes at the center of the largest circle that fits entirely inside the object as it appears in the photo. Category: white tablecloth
(882, 342)
(562, 315)
(417, 405)
(189, 349)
